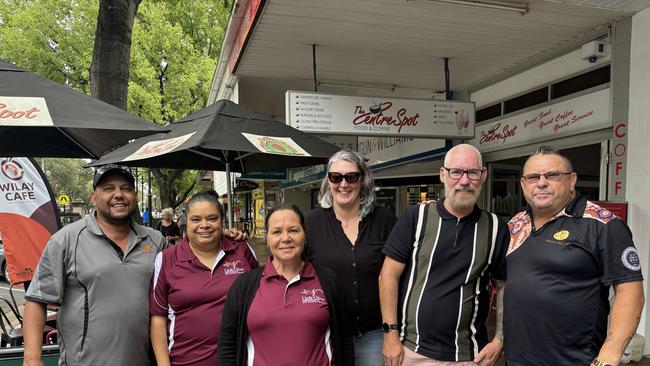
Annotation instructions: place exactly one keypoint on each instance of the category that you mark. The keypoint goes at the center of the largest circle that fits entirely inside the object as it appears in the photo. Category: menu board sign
(379, 116)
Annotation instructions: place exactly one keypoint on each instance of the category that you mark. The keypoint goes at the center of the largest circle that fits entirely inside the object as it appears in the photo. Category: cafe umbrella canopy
(41, 118)
(225, 137)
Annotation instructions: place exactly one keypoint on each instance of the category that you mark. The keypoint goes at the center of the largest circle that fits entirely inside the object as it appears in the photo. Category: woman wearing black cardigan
(288, 312)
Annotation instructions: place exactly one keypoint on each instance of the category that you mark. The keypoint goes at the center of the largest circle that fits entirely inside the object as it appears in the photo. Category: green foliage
(54, 38)
(68, 176)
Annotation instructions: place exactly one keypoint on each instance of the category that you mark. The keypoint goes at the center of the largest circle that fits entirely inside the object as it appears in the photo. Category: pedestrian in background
(146, 216)
(347, 234)
(182, 222)
(168, 227)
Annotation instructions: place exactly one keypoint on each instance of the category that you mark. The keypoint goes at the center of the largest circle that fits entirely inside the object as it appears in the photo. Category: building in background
(570, 74)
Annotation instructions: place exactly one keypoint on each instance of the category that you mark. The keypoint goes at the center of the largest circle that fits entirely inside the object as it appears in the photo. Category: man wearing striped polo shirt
(433, 285)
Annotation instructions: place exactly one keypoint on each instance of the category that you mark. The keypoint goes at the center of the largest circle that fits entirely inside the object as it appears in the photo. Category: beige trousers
(413, 359)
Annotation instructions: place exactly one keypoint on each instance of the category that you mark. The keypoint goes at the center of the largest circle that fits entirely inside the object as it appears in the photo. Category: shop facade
(594, 110)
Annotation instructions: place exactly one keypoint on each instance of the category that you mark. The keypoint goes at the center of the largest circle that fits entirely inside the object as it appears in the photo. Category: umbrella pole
(229, 189)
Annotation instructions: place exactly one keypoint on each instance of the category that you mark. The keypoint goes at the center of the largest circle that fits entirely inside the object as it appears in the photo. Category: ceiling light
(517, 7)
(357, 84)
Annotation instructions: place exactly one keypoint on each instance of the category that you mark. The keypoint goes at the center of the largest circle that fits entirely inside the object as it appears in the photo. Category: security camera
(594, 50)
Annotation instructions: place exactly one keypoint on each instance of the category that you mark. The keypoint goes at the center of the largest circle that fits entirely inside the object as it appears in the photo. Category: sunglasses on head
(338, 177)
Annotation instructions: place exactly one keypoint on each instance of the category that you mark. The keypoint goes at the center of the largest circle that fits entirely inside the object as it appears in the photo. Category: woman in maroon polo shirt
(288, 312)
(190, 284)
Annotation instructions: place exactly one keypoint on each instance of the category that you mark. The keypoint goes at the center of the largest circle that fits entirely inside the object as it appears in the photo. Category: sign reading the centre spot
(63, 199)
(379, 116)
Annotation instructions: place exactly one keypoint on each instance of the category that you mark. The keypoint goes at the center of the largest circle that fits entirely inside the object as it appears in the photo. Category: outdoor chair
(14, 302)
(11, 336)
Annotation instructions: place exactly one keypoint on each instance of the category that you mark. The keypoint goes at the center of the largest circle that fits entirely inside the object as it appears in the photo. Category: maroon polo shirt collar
(307, 270)
(185, 254)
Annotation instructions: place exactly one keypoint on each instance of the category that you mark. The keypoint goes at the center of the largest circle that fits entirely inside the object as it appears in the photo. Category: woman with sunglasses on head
(190, 284)
(347, 234)
(288, 312)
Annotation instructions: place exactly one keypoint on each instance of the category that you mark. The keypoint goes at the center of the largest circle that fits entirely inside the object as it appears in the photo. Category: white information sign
(585, 113)
(24, 112)
(158, 147)
(379, 116)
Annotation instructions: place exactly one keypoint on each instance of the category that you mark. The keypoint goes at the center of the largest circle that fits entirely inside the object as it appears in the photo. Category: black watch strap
(388, 327)
(597, 362)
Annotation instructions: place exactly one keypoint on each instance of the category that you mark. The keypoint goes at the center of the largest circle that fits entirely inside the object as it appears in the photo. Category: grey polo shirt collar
(139, 231)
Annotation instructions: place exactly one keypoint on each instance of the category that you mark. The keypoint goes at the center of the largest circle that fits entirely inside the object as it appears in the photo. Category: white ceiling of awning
(404, 42)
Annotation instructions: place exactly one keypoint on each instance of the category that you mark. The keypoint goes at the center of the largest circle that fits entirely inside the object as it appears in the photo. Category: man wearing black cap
(97, 270)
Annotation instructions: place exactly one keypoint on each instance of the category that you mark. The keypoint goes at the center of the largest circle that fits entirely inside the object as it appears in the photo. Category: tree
(55, 39)
(52, 38)
(109, 70)
(68, 176)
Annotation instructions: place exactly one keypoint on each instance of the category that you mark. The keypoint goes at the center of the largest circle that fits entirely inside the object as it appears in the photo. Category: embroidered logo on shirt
(313, 296)
(630, 259)
(561, 235)
(146, 248)
(232, 268)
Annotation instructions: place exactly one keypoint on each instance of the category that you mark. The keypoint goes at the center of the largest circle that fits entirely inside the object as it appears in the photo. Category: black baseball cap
(112, 169)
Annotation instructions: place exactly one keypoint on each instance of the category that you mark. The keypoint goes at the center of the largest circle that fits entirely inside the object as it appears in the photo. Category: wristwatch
(597, 362)
(388, 327)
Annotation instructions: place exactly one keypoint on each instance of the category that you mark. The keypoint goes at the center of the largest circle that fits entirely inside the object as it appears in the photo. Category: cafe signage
(379, 116)
(582, 114)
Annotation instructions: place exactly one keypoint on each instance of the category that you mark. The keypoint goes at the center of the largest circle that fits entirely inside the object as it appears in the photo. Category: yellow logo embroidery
(561, 235)
(146, 248)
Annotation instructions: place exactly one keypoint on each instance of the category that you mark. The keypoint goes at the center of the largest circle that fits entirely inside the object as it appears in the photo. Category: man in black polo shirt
(565, 252)
(439, 259)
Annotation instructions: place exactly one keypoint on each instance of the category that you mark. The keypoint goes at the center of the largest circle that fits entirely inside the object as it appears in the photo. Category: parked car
(69, 217)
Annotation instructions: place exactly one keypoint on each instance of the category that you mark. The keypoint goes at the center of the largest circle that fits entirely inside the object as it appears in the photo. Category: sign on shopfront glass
(582, 114)
(379, 116)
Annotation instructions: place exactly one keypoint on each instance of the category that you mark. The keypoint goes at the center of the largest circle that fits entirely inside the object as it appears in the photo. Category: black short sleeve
(399, 245)
(618, 256)
(498, 266)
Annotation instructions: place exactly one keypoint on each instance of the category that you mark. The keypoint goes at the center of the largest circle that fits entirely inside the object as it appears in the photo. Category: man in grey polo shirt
(97, 270)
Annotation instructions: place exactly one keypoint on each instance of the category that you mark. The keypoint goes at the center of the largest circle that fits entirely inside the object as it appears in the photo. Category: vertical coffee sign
(379, 116)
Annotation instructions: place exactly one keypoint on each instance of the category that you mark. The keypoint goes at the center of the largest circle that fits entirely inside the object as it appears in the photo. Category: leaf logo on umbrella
(277, 146)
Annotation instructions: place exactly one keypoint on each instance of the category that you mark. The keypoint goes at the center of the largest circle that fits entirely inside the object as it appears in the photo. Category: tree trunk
(109, 70)
(165, 178)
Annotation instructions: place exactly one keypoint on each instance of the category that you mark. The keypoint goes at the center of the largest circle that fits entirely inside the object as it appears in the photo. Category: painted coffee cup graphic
(375, 108)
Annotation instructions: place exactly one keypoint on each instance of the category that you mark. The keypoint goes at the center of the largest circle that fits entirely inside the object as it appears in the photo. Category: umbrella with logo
(226, 137)
(39, 117)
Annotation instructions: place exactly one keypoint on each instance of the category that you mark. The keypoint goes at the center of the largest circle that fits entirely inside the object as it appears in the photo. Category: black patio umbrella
(225, 137)
(39, 117)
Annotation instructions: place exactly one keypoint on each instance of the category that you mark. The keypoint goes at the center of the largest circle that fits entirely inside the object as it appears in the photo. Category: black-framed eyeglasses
(335, 177)
(549, 176)
(472, 174)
